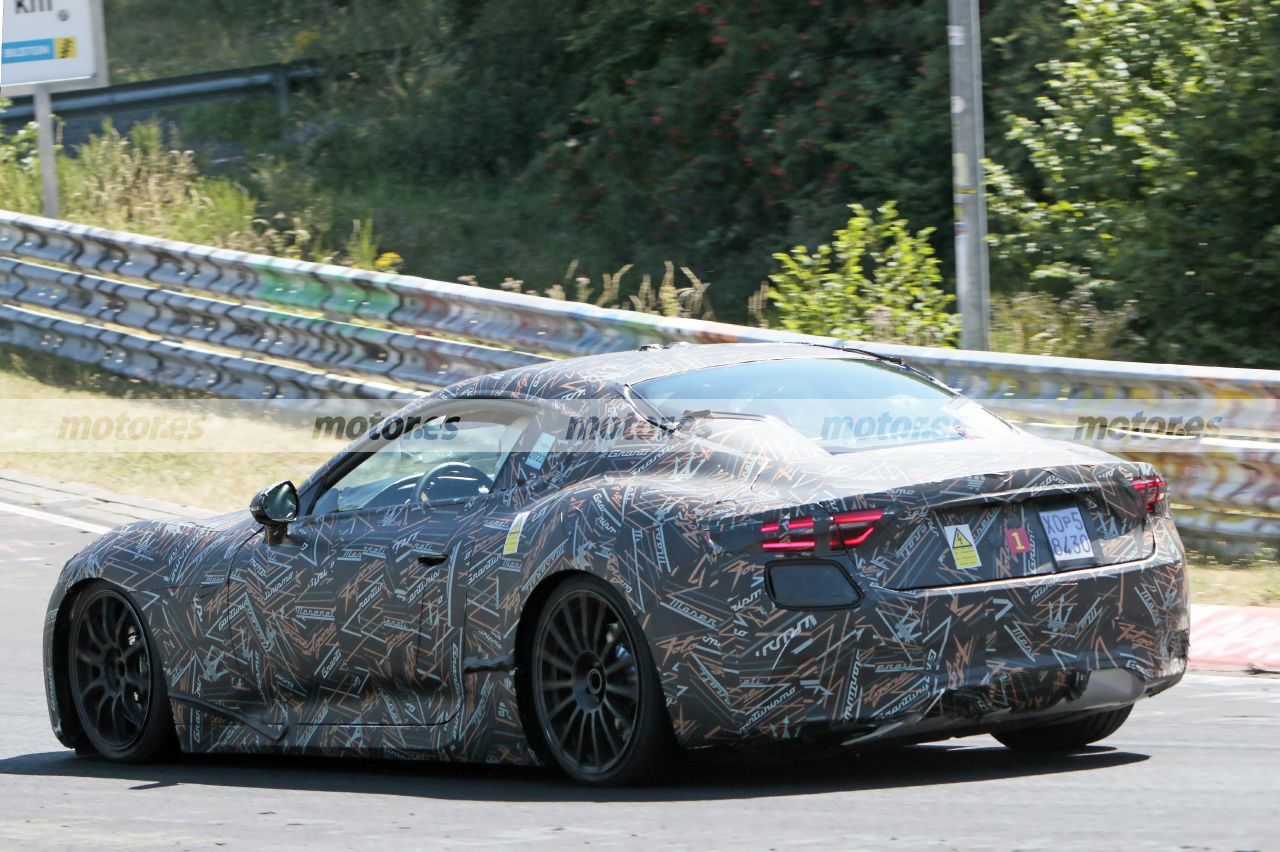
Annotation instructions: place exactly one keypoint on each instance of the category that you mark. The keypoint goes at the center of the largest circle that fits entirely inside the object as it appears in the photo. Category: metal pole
(280, 82)
(48, 158)
(967, 152)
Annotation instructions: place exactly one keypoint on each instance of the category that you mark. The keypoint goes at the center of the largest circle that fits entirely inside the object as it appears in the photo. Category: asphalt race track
(1196, 768)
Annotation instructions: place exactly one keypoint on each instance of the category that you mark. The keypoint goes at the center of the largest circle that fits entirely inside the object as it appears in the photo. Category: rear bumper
(1097, 690)
(941, 662)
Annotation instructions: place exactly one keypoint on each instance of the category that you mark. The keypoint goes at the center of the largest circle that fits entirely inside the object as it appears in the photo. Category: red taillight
(1153, 489)
(850, 529)
(796, 535)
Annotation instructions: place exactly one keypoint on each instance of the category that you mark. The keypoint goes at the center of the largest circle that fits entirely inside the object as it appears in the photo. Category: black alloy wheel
(115, 678)
(600, 710)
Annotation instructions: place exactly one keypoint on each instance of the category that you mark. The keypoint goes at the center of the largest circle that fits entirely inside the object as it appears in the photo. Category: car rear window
(841, 404)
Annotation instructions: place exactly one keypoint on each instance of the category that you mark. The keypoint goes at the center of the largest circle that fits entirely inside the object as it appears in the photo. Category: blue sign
(27, 51)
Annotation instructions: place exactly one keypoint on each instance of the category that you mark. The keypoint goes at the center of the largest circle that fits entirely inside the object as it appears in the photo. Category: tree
(1155, 175)
(709, 130)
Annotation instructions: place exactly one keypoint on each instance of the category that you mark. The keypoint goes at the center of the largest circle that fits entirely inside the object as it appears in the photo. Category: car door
(355, 617)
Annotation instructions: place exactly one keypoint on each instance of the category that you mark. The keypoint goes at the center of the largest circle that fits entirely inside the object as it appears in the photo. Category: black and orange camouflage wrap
(340, 640)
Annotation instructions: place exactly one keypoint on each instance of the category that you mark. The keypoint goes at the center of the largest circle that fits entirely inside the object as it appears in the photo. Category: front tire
(598, 705)
(115, 677)
(1069, 736)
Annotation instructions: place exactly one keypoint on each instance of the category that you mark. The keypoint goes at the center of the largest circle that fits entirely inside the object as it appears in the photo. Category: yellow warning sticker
(963, 546)
(65, 48)
(512, 544)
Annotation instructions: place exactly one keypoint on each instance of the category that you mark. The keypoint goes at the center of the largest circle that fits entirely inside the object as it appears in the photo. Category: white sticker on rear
(964, 547)
(541, 447)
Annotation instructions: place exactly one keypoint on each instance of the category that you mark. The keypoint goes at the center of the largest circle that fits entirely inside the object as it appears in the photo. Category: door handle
(432, 559)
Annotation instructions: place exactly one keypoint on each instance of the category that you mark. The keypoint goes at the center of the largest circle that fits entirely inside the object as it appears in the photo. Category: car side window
(455, 452)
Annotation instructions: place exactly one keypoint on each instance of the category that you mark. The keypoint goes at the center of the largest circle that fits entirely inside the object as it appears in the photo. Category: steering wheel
(458, 480)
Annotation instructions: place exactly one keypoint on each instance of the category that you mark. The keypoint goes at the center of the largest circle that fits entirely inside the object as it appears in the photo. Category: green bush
(875, 280)
(140, 183)
(19, 171)
(146, 39)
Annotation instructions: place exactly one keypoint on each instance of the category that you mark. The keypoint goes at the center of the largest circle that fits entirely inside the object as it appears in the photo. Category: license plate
(1068, 536)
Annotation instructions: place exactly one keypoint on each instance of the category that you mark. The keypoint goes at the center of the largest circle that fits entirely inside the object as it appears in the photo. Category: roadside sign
(55, 42)
(49, 46)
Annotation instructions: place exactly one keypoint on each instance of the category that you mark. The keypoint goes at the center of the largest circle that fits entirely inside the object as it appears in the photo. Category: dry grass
(1252, 580)
(666, 298)
(220, 481)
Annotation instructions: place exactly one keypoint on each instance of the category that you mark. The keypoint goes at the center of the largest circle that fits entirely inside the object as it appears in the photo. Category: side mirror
(275, 507)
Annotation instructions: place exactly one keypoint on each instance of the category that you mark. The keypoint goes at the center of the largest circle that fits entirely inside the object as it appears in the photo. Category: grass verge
(220, 481)
(1252, 580)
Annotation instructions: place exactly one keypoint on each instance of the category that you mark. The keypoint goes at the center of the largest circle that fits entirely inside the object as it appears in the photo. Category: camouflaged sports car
(600, 562)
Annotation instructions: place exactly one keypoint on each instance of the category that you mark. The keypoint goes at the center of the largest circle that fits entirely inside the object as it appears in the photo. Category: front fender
(149, 560)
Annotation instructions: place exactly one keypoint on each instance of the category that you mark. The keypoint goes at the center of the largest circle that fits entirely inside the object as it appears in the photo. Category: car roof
(604, 375)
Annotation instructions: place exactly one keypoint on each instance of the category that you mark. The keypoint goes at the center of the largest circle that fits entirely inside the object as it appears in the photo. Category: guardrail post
(281, 85)
(48, 157)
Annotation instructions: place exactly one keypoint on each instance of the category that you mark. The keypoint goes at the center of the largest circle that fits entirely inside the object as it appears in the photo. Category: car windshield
(841, 404)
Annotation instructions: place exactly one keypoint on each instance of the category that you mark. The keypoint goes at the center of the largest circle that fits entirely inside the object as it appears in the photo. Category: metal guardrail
(170, 92)
(403, 359)
(249, 326)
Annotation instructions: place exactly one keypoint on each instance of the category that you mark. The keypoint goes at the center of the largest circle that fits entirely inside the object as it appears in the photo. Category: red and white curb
(1235, 637)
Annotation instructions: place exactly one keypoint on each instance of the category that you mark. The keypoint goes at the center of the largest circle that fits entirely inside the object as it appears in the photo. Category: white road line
(51, 518)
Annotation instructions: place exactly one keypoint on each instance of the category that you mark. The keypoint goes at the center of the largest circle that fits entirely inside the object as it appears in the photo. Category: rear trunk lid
(972, 511)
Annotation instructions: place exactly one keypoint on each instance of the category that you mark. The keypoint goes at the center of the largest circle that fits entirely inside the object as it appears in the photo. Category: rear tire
(115, 677)
(597, 702)
(1068, 736)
